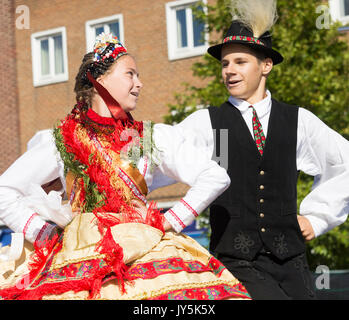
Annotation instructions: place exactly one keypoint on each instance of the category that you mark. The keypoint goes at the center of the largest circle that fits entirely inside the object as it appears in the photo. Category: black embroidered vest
(259, 209)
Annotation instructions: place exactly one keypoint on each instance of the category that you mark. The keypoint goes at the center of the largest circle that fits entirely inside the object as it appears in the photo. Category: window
(186, 36)
(113, 24)
(346, 8)
(49, 56)
(340, 10)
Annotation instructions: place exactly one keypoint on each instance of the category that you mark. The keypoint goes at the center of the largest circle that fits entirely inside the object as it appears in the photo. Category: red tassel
(114, 257)
(36, 263)
(41, 253)
(154, 217)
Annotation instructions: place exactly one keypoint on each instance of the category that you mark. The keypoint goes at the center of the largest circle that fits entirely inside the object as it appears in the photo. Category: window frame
(337, 11)
(38, 79)
(173, 52)
(90, 29)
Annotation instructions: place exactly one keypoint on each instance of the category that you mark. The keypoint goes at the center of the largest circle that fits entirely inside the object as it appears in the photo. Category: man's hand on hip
(306, 228)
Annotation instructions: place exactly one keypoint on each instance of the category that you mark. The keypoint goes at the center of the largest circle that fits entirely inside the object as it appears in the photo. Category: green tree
(314, 75)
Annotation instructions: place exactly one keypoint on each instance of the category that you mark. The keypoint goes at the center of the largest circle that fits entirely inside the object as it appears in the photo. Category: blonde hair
(257, 15)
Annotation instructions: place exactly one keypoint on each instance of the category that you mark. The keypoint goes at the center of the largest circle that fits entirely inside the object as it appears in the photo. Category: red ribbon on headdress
(114, 107)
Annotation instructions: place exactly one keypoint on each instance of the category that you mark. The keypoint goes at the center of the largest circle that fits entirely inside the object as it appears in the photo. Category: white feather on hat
(257, 15)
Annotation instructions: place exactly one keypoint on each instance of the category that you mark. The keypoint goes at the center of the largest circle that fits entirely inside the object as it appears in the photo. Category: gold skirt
(158, 266)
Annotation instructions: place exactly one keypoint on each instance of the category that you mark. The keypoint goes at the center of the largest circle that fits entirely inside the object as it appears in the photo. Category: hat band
(244, 38)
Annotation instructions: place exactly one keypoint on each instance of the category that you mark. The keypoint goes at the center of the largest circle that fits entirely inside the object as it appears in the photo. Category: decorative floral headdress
(107, 49)
(107, 46)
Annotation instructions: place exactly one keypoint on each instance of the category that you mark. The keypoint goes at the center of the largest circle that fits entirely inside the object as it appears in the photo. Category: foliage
(93, 198)
(314, 75)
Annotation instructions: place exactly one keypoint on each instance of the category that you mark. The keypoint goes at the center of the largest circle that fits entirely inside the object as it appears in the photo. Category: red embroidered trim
(90, 275)
(43, 281)
(156, 268)
(177, 218)
(123, 175)
(244, 38)
(25, 229)
(189, 208)
(153, 269)
(217, 292)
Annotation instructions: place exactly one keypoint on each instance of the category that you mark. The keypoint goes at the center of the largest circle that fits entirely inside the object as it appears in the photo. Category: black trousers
(268, 278)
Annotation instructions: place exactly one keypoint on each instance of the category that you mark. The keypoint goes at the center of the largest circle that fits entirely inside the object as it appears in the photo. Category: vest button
(261, 215)
(263, 230)
(261, 200)
(262, 173)
(261, 187)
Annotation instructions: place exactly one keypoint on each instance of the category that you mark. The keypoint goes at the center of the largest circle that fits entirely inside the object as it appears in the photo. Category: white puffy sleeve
(185, 157)
(324, 154)
(37, 166)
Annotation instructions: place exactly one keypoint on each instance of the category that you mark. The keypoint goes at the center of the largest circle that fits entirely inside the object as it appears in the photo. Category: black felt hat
(238, 33)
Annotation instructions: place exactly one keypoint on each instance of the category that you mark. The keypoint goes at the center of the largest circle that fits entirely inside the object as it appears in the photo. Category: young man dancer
(256, 231)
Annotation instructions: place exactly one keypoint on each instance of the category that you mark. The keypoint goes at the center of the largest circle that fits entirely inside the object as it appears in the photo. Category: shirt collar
(262, 107)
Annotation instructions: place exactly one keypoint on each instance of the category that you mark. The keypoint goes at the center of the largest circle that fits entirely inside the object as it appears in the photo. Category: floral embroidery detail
(243, 38)
(243, 242)
(153, 269)
(280, 244)
(301, 265)
(215, 292)
(149, 270)
(216, 266)
(78, 271)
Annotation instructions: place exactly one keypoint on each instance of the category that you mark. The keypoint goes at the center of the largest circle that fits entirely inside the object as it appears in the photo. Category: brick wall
(9, 137)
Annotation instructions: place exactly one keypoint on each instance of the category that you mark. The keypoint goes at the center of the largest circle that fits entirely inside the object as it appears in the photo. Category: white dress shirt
(321, 152)
(184, 157)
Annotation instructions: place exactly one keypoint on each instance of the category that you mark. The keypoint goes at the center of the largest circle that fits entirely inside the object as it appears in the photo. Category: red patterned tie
(258, 132)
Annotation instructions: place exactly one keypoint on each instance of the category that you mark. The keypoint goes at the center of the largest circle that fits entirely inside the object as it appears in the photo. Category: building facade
(9, 115)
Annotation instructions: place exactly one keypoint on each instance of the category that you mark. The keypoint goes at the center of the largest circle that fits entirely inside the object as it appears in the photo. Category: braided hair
(83, 88)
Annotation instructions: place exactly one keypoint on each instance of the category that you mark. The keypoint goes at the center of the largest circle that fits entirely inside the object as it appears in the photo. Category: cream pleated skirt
(166, 266)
